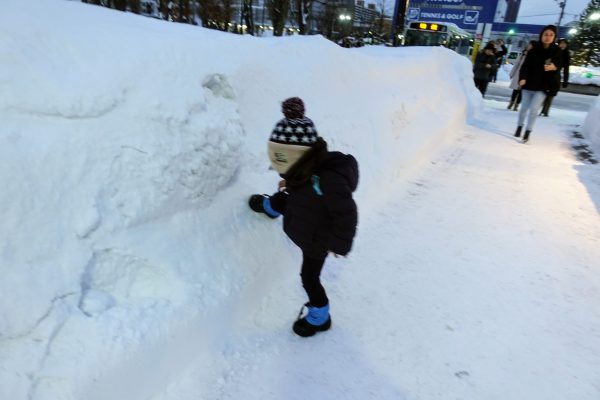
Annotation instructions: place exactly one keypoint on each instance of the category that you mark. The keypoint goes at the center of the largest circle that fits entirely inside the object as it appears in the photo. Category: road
(567, 101)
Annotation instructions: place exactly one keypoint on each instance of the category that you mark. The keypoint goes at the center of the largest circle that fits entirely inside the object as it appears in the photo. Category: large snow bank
(591, 125)
(584, 75)
(128, 148)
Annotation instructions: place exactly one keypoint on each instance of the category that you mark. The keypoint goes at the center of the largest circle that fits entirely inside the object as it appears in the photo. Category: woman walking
(566, 62)
(538, 77)
(515, 98)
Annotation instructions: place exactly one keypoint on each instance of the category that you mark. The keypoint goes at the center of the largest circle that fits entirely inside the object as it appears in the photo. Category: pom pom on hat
(293, 108)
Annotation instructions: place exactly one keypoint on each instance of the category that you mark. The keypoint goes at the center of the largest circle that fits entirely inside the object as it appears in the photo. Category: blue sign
(471, 17)
(413, 13)
(464, 13)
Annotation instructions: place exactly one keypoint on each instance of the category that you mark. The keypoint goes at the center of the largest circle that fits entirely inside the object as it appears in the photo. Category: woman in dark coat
(566, 63)
(538, 77)
(485, 62)
(315, 199)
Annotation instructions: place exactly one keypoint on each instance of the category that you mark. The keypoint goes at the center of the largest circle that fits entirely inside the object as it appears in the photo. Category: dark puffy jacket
(533, 69)
(321, 215)
(566, 61)
(480, 70)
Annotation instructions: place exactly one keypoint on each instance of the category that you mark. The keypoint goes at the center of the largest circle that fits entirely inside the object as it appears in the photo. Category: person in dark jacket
(315, 199)
(538, 77)
(499, 54)
(483, 67)
(566, 63)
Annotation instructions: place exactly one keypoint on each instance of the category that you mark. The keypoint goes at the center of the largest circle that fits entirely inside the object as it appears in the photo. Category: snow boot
(510, 105)
(261, 203)
(317, 320)
(518, 132)
(526, 136)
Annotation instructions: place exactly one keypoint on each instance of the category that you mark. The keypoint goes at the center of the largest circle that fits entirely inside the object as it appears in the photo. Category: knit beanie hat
(292, 135)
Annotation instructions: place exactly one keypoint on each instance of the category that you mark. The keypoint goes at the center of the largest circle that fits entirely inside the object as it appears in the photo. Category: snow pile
(129, 146)
(591, 126)
(584, 75)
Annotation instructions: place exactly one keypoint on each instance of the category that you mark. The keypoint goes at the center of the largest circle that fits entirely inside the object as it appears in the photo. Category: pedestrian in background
(538, 77)
(315, 199)
(499, 54)
(566, 60)
(515, 98)
(482, 69)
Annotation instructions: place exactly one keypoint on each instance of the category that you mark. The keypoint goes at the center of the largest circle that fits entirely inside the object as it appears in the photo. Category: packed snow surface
(132, 267)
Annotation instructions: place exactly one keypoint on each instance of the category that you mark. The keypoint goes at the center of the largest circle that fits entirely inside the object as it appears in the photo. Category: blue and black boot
(316, 320)
(261, 203)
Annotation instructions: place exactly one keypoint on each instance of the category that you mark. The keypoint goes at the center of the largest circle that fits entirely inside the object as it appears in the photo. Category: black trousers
(482, 85)
(311, 267)
(310, 274)
(515, 96)
(547, 104)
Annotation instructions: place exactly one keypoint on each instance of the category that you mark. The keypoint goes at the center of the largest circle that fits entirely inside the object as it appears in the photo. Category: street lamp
(345, 17)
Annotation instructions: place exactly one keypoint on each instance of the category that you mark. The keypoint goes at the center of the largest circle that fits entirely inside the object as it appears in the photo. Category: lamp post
(344, 19)
(562, 5)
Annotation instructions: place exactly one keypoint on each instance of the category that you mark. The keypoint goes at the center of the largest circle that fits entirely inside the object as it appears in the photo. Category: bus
(439, 34)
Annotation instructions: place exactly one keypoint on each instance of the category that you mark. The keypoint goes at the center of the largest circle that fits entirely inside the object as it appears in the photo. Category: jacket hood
(342, 164)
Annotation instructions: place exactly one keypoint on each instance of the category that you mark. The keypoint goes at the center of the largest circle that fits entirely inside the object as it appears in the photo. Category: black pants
(482, 85)
(311, 267)
(310, 274)
(515, 97)
(547, 104)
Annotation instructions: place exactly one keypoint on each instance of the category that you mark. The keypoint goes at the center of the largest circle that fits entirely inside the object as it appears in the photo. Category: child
(315, 199)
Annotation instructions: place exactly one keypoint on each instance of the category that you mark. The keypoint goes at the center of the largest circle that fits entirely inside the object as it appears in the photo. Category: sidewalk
(493, 288)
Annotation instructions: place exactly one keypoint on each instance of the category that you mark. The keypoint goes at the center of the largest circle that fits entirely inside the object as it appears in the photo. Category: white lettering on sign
(446, 1)
(454, 16)
(433, 15)
(442, 16)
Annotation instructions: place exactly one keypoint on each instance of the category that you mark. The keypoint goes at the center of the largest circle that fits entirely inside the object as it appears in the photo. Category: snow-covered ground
(584, 75)
(591, 125)
(132, 269)
(577, 74)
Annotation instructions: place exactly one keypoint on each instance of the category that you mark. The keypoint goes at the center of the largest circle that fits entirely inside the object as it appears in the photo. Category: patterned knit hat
(300, 132)
(292, 135)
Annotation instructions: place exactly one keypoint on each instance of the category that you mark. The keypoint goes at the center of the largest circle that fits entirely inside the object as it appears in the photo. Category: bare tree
(381, 5)
(134, 6)
(184, 11)
(302, 13)
(278, 10)
(120, 5)
(248, 16)
(215, 14)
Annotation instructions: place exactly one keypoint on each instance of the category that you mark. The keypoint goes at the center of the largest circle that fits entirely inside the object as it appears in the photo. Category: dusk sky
(532, 11)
